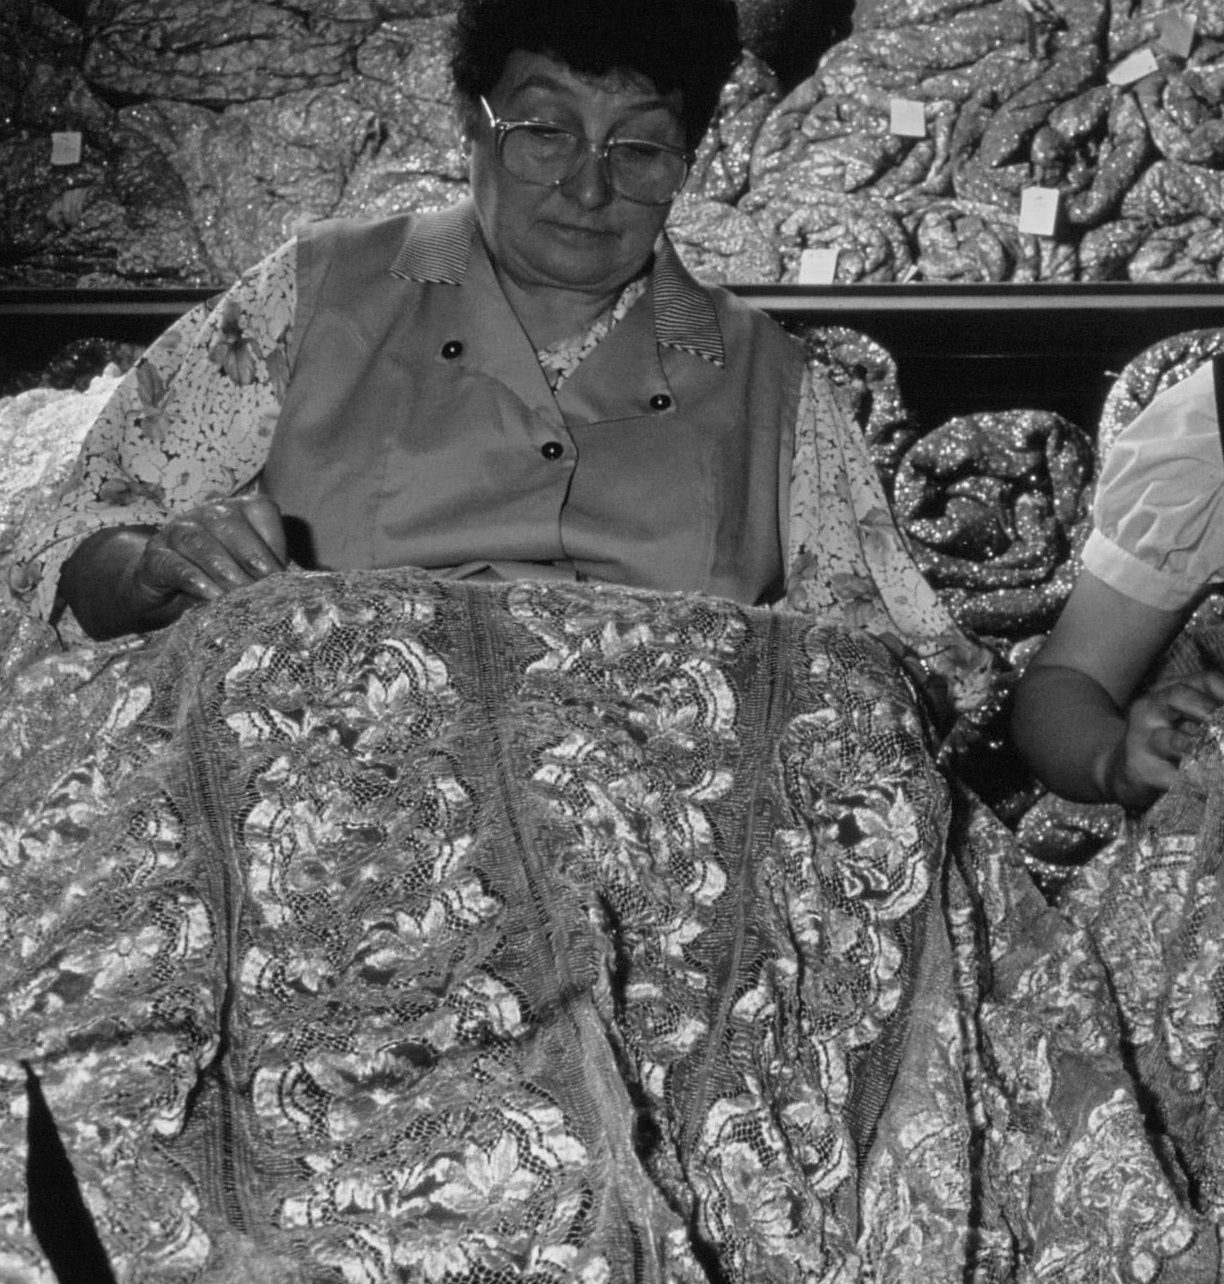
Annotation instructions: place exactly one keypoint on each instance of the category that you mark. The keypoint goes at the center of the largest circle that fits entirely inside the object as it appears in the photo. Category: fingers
(1210, 682)
(265, 519)
(1168, 742)
(1163, 726)
(163, 574)
(1194, 698)
(1186, 704)
(1158, 725)
(1157, 774)
(212, 550)
(1146, 765)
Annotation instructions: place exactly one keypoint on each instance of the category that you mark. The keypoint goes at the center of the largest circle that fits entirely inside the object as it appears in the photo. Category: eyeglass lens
(638, 170)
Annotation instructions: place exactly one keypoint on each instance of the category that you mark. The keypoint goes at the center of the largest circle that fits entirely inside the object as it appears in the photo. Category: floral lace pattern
(535, 922)
(372, 927)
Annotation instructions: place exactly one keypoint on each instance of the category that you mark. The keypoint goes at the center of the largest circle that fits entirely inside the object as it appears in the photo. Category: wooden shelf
(959, 348)
(953, 297)
(782, 300)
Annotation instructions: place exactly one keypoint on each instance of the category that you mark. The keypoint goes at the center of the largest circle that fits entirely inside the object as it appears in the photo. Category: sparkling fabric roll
(997, 505)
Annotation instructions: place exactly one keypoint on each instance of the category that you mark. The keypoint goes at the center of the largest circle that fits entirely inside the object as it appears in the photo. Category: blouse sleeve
(1158, 533)
(847, 561)
(191, 421)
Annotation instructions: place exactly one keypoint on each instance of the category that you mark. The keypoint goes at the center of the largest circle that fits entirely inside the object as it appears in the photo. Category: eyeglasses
(542, 153)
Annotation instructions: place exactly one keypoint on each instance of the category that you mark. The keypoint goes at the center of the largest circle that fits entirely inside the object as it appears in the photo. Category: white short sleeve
(1158, 532)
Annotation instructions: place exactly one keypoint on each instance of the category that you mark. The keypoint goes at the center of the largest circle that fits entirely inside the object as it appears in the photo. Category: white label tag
(1133, 67)
(907, 117)
(1176, 32)
(66, 148)
(1039, 210)
(818, 267)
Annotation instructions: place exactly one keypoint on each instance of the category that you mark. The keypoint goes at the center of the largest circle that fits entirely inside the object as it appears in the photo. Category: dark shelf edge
(1022, 297)
(778, 299)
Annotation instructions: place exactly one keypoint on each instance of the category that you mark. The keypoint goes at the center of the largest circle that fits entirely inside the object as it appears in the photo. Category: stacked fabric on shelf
(911, 149)
(908, 149)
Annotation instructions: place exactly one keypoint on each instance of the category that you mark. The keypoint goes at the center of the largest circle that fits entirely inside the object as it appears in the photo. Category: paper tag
(1039, 210)
(1176, 32)
(818, 267)
(1133, 67)
(907, 117)
(66, 148)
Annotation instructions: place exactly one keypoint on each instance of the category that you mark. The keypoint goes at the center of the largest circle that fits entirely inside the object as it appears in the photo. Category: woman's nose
(591, 183)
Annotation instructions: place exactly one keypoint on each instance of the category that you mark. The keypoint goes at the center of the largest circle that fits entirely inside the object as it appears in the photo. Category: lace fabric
(457, 925)
(376, 927)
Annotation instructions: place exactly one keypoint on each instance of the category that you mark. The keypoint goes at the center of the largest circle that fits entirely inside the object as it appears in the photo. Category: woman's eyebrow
(539, 80)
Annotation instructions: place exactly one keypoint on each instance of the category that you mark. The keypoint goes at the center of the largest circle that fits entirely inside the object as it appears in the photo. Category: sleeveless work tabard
(418, 428)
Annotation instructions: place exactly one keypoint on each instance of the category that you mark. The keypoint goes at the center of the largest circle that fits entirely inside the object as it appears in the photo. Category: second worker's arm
(1077, 719)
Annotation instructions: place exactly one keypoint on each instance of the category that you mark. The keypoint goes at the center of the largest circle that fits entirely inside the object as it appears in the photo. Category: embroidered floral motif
(464, 925)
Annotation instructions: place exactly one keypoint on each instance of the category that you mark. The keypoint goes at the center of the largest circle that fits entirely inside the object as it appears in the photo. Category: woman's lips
(585, 235)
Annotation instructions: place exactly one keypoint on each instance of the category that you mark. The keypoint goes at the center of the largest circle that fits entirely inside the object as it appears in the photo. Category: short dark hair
(690, 45)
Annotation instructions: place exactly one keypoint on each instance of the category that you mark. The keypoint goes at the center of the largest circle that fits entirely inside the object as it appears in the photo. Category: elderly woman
(510, 892)
(528, 384)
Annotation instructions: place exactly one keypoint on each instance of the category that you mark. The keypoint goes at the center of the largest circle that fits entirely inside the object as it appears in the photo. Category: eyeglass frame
(501, 128)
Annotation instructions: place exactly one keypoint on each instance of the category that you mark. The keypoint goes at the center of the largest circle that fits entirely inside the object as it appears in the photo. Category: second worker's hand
(1161, 725)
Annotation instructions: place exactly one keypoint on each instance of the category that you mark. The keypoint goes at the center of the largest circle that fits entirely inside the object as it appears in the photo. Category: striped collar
(438, 247)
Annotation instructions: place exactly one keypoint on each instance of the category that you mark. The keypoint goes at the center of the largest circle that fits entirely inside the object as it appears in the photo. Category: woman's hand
(1161, 725)
(210, 551)
(1081, 717)
(133, 579)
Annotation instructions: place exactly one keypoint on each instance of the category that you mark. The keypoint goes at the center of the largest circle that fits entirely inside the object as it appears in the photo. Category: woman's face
(581, 235)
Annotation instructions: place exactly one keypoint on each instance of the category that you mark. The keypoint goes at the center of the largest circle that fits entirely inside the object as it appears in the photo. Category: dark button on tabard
(552, 450)
(660, 401)
(451, 349)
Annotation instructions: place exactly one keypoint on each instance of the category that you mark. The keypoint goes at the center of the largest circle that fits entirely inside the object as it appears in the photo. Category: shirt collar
(438, 247)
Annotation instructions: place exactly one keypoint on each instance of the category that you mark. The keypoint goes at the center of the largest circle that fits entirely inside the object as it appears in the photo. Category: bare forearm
(1072, 735)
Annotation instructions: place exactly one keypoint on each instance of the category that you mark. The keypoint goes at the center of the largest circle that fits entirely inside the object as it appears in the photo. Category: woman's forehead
(530, 74)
